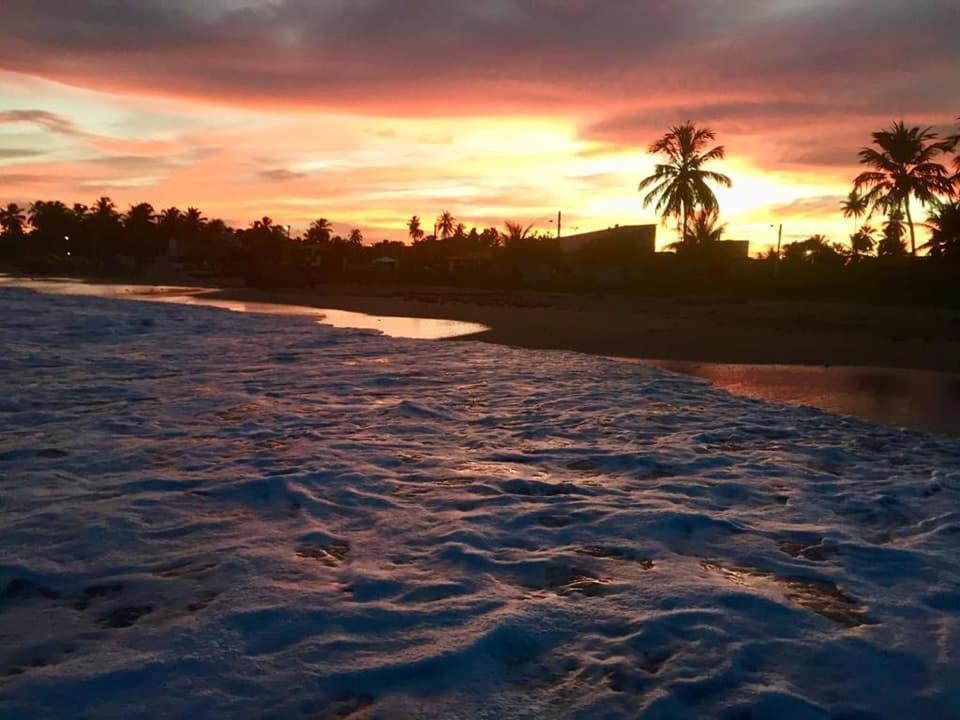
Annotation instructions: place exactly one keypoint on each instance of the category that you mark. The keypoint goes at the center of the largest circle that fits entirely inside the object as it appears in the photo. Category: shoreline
(658, 329)
(757, 358)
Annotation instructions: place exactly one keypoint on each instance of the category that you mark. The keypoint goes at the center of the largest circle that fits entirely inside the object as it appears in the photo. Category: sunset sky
(369, 111)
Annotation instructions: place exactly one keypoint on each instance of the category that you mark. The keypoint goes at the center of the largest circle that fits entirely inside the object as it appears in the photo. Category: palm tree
(944, 227)
(320, 231)
(445, 224)
(413, 226)
(862, 242)
(12, 220)
(516, 232)
(106, 230)
(854, 206)
(104, 208)
(193, 222)
(355, 237)
(705, 229)
(139, 215)
(891, 244)
(955, 140)
(141, 231)
(904, 168)
(170, 220)
(680, 185)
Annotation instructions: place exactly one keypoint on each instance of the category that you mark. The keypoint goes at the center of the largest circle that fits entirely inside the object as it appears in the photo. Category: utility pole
(779, 238)
(559, 221)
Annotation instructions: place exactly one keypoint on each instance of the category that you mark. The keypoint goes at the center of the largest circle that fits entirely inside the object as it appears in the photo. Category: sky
(366, 112)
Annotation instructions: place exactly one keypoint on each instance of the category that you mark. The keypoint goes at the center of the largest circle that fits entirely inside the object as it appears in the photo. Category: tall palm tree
(413, 226)
(855, 206)
(445, 224)
(903, 169)
(679, 185)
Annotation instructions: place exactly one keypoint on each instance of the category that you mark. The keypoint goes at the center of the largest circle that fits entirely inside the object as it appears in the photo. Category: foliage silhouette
(903, 168)
(680, 185)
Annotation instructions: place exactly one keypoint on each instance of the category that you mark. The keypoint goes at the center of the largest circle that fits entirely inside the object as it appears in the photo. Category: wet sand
(688, 329)
(896, 366)
(891, 365)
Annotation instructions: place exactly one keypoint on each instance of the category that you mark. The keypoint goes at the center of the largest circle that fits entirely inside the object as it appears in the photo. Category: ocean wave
(214, 515)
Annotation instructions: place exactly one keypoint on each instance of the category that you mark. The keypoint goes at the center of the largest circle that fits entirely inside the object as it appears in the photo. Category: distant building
(734, 249)
(619, 241)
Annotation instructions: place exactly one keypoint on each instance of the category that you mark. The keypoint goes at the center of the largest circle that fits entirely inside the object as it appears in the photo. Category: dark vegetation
(881, 262)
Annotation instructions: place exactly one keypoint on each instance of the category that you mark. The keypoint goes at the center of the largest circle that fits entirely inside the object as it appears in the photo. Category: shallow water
(208, 515)
(924, 400)
(397, 327)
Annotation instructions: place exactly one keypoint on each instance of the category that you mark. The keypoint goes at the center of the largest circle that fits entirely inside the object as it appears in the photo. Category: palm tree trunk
(913, 237)
(683, 238)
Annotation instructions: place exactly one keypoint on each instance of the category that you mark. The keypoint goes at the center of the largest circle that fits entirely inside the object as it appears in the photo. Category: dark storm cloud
(434, 55)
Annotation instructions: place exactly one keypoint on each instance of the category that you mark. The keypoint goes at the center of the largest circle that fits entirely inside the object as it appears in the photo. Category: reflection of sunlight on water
(912, 398)
(399, 327)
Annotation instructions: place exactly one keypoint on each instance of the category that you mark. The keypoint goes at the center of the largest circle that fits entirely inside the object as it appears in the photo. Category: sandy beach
(720, 330)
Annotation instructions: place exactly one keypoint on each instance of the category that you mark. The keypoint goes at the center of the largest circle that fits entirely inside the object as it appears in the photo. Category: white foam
(214, 515)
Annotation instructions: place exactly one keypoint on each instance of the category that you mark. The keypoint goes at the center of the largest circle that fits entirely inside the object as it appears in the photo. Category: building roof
(646, 234)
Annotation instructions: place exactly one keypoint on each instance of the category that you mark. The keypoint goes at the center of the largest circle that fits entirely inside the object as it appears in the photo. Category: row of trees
(904, 166)
(49, 235)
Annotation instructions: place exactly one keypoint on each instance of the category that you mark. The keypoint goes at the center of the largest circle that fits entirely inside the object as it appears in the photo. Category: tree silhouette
(862, 242)
(855, 206)
(141, 231)
(319, 231)
(106, 230)
(52, 223)
(944, 227)
(355, 237)
(413, 227)
(816, 250)
(446, 224)
(12, 221)
(955, 141)
(704, 229)
(680, 185)
(516, 232)
(891, 243)
(904, 168)
(169, 221)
